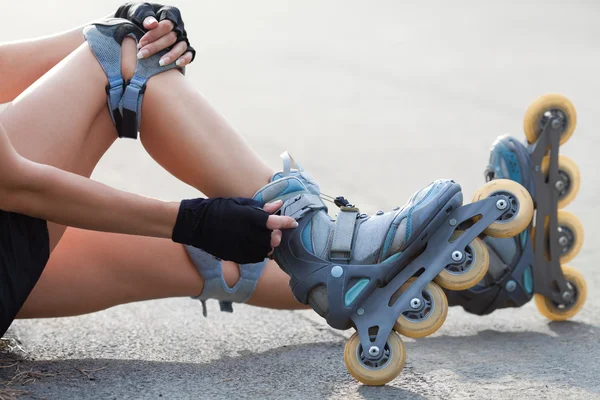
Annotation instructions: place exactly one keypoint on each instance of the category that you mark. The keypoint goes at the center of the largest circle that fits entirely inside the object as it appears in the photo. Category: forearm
(58, 196)
(23, 62)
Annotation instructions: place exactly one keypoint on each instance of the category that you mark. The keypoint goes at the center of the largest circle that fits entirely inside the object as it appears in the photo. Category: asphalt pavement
(375, 99)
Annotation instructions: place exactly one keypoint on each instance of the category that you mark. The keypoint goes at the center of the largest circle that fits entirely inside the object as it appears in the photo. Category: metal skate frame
(372, 313)
(548, 279)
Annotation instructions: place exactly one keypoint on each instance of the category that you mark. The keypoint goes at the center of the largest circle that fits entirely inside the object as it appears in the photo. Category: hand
(276, 223)
(165, 30)
(233, 229)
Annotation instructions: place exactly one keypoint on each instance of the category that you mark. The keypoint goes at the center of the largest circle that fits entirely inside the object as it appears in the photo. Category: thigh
(91, 271)
(62, 120)
(50, 121)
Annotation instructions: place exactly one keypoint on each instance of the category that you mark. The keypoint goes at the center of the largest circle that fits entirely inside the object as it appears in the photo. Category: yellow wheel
(569, 179)
(536, 116)
(426, 318)
(521, 207)
(562, 312)
(375, 373)
(470, 271)
(570, 236)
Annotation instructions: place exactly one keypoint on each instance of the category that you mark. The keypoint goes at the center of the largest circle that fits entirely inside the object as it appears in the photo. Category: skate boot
(382, 274)
(531, 264)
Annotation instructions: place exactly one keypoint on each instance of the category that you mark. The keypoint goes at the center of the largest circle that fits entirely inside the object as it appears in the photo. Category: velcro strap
(215, 287)
(131, 103)
(341, 247)
(114, 92)
(297, 206)
(125, 107)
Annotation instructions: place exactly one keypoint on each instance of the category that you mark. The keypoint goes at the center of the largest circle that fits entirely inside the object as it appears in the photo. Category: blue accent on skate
(510, 161)
(409, 214)
(390, 236)
(354, 291)
(528, 280)
(524, 238)
(306, 237)
(293, 185)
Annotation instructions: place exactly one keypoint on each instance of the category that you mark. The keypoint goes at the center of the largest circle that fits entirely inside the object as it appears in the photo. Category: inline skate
(531, 265)
(383, 274)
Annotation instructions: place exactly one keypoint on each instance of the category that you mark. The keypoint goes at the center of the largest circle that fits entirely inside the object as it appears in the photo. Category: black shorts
(24, 252)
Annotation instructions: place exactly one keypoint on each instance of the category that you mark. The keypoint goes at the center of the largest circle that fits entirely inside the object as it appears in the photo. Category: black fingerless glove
(138, 12)
(232, 229)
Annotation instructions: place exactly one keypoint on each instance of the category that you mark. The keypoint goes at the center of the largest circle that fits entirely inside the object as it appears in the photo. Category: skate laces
(288, 163)
(339, 201)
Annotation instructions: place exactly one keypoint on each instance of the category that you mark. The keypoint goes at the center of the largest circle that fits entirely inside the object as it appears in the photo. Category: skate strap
(132, 99)
(341, 246)
(215, 287)
(132, 107)
(297, 206)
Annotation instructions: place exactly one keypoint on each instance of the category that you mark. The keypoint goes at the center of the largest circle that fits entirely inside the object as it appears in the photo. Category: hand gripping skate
(375, 273)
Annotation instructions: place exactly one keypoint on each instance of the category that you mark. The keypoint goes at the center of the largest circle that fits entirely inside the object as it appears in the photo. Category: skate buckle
(344, 204)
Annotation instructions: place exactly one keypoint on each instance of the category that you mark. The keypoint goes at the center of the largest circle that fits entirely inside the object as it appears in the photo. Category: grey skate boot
(375, 273)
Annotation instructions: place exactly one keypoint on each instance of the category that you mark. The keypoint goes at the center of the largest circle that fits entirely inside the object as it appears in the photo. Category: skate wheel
(521, 207)
(536, 117)
(476, 260)
(426, 319)
(381, 372)
(569, 179)
(562, 312)
(570, 237)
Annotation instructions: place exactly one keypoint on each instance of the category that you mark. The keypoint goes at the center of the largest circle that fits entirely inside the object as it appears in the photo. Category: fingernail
(141, 44)
(142, 53)
(179, 62)
(295, 224)
(151, 20)
(164, 61)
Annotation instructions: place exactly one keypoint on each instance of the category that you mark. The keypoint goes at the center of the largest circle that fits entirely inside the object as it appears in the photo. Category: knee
(128, 58)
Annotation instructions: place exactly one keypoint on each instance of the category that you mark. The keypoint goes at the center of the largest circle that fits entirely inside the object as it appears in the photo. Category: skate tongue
(288, 160)
(291, 168)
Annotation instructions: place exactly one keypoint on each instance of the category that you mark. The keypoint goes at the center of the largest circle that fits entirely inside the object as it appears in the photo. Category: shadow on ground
(561, 358)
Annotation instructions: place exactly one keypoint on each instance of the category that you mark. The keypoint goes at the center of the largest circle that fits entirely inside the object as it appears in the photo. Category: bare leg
(41, 54)
(51, 121)
(91, 271)
(175, 137)
(191, 140)
(81, 275)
